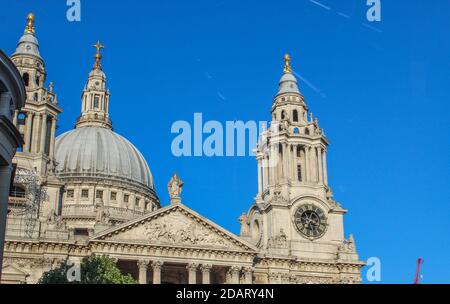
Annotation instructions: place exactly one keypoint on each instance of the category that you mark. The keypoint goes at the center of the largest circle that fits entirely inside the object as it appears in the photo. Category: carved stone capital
(205, 268)
(235, 270)
(143, 264)
(192, 267)
(248, 270)
(157, 265)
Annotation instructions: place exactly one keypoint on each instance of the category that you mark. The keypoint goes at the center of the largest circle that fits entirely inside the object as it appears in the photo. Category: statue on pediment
(175, 188)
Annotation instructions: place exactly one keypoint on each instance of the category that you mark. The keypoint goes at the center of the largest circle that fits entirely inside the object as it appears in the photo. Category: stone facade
(73, 197)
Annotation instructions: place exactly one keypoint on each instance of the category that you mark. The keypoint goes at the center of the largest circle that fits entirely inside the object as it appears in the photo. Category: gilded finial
(29, 29)
(287, 65)
(98, 55)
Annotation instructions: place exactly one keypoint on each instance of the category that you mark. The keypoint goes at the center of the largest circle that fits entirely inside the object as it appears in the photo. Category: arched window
(295, 116)
(299, 151)
(26, 79)
(21, 119)
(35, 97)
(307, 131)
(296, 131)
(283, 115)
(38, 80)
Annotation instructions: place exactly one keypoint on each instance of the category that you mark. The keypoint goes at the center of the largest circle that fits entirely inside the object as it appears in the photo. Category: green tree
(93, 270)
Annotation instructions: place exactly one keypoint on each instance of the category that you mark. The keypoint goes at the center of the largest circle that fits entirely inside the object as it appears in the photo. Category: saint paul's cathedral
(90, 191)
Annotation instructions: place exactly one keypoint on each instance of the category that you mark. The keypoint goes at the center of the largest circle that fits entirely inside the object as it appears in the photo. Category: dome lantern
(95, 97)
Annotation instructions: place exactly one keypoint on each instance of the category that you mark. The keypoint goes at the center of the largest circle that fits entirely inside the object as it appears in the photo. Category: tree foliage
(93, 270)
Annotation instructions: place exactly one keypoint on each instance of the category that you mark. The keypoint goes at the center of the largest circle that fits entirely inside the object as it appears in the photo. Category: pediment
(175, 225)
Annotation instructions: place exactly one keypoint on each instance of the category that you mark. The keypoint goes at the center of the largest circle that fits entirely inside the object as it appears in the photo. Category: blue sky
(380, 90)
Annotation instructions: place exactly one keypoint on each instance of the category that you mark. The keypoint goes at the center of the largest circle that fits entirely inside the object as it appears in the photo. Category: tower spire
(98, 56)
(29, 29)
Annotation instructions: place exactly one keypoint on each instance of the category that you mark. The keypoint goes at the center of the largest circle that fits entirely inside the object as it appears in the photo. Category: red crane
(420, 262)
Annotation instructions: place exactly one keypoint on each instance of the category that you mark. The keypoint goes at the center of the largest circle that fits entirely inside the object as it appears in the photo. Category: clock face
(311, 221)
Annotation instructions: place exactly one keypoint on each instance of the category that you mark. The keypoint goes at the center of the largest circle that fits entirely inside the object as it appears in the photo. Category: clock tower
(295, 214)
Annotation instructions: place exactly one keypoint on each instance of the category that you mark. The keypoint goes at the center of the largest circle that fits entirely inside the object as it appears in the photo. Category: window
(38, 80)
(96, 102)
(70, 193)
(21, 119)
(296, 131)
(126, 198)
(299, 173)
(35, 97)
(85, 193)
(26, 79)
(283, 115)
(295, 116)
(307, 131)
(299, 151)
(81, 232)
(17, 191)
(113, 196)
(99, 194)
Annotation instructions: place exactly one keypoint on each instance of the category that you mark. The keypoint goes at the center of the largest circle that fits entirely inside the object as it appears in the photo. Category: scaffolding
(35, 195)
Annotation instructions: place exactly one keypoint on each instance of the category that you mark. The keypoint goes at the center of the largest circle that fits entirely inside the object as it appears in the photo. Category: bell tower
(95, 97)
(38, 119)
(294, 214)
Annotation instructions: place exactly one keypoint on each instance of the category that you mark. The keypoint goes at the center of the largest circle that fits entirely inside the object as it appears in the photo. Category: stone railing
(90, 211)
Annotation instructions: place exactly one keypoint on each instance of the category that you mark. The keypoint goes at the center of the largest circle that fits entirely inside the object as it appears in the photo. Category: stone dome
(100, 153)
(28, 45)
(288, 84)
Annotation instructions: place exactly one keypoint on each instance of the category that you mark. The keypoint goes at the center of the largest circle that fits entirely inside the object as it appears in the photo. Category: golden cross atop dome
(29, 29)
(98, 55)
(287, 64)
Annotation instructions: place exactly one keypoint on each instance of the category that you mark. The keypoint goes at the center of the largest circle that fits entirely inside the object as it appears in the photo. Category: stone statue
(175, 188)
(102, 215)
(243, 219)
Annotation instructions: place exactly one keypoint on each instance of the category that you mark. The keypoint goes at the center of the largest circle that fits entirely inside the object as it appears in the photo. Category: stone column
(308, 164)
(320, 169)
(192, 273)
(28, 132)
(266, 172)
(5, 181)
(35, 138)
(273, 164)
(293, 162)
(259, 158)
(52, 138)
(234, 274)
(248, 275)
(206, 274)
(43, 134)
(285, 162)
(157, 266)
(143, 267)
(325, 172)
